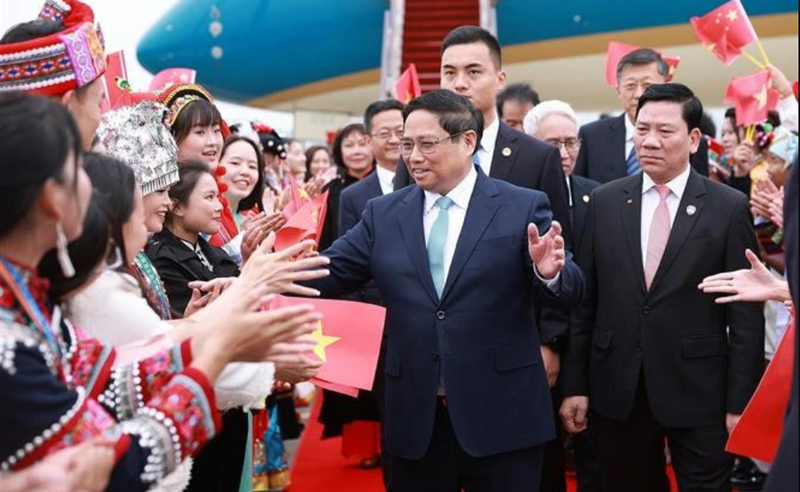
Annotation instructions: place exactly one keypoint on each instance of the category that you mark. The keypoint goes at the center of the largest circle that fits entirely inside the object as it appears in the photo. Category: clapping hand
(547, 252)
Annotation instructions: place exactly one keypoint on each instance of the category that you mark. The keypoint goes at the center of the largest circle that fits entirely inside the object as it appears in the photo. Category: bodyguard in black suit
(580, 196)
(654, 356)
(607, 144)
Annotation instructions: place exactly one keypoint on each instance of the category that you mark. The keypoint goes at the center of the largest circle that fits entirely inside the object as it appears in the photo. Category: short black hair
(679, 94)
(641, 57)
(379, 107)
(473, 34)
(456, 113)
(521, 93)
(196, 113)
(34, 29)
(352, 128)
(708, 127)
(190, 173)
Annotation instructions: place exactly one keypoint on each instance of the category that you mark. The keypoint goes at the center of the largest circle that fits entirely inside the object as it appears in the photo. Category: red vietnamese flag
(752, 97)
(171, 77)
(297, 198)
(759, 431)
(716, 147)
(407, 86)
(617, 51)
(725, 31)
(306, 223)
(348, 340)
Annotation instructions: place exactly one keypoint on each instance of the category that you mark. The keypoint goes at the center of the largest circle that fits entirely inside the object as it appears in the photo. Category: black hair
(345, 132)
(708, 127)
(521, 93)
(254, 198)
(456, 113)
(677, 93)
(379, 107)
(115, 186)
(196, 113)
(86, 253)
(311, 152)
(641, 57)
(190, 174)
(34, 29)
(37, 135)
(473, 34)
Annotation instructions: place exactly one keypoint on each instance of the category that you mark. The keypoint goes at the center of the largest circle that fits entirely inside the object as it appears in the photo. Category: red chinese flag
(171, 77)
(348, 340)
(617, 51)
(306, 223)
(297, 198)
(725, 31)
(759, 431)
(407, 86)
(752, 97)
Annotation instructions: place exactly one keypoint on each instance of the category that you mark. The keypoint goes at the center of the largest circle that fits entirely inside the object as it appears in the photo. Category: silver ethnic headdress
(137, 136)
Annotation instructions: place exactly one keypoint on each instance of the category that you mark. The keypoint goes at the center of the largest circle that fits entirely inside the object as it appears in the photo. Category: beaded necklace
(154, 289)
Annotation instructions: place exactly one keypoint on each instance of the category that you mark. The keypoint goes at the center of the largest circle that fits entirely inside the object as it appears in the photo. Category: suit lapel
(410, 218)
(684, 223)
(482, 208)
(502, 160)
(375, 184)
(631, 213)
(619, 161)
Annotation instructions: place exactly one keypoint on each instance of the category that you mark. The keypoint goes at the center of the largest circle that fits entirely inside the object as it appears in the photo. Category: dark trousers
(631, 453)
(218, 467)
(587, 468)
(554, 477)
(447, 468)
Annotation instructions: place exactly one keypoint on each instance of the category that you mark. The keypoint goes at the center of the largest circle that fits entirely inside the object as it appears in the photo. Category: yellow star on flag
(711, 47)
(733, 16)
(323, 341)
(304, 194)
(762, 97)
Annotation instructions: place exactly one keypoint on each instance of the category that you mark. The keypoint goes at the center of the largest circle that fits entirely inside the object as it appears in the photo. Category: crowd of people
(602, 298)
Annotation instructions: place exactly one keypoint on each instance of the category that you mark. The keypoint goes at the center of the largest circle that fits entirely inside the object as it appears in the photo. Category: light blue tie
(633, 163)
(436, 243)
(476, 160)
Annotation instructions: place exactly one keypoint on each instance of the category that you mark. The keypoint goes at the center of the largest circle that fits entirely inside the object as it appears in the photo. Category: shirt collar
(677, 185)
(630, 129)
(385, 177)
(489, 138)
(460, 195)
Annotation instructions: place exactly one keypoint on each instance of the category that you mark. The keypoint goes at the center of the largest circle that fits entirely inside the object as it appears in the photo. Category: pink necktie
(659, 236)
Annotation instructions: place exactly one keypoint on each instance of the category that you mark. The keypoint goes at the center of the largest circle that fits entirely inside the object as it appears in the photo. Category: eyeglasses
(387, 134)
(426, 145)
(571, 145)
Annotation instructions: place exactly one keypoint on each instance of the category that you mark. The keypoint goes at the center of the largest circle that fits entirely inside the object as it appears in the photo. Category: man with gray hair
(556, 123)
(607, 151)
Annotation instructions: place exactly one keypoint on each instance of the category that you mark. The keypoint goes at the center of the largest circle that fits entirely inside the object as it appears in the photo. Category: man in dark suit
(656, 357)
(456, 260)
(607, 150)
(472, 67)
(556, 123)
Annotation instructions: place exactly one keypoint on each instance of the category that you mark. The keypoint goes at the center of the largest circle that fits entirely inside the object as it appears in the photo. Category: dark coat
(581, 189)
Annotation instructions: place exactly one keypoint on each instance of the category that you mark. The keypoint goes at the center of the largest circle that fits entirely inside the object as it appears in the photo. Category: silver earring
(63, 253)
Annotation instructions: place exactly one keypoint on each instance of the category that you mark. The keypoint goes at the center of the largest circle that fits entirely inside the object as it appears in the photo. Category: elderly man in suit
(656, 358)
(607, 150)
(456, 260)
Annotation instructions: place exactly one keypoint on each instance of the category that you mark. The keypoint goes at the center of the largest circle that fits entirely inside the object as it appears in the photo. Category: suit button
(638, 349)
(441, 315)
(435, 357)
(647, 311)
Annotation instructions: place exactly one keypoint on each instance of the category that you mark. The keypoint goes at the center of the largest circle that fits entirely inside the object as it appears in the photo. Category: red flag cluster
(725, 31)
(348, 342)
(407, 86)
(305, 218)
(617, 51)
(753, 97)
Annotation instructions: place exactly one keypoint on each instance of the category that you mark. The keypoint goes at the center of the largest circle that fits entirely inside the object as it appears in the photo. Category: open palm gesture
(547, 252)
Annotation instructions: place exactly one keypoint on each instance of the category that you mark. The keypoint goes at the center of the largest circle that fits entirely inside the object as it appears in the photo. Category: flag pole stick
(754, 60)
(763, 52)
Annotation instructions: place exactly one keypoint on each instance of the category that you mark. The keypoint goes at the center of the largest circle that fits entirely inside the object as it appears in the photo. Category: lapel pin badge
(630, 201)
(507, 152)
(586, 198)
(691, 210)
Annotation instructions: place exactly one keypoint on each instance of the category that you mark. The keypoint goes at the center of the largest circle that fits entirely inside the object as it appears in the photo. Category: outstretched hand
(757, 284)
(547, 252)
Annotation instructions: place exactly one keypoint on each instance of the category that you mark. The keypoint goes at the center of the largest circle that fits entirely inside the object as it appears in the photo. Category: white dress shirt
(651, 199)
(461, 196)
(488, 143)
(630, 131)
(386, 179)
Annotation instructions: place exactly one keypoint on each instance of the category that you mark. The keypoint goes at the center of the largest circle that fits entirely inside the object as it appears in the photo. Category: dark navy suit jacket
(482, 334)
